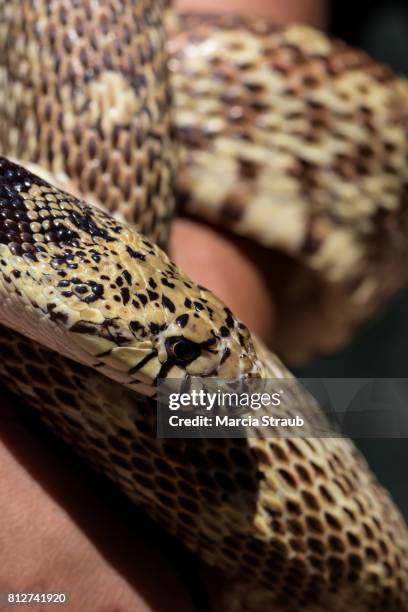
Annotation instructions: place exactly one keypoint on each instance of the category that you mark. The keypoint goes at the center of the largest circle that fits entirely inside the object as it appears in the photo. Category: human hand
(64, 531)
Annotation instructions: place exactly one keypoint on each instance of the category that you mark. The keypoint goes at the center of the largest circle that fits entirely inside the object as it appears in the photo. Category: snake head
(79, 282)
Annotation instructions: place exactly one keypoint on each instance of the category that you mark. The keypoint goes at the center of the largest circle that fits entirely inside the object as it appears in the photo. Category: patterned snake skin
(301, 144)
(93, 313)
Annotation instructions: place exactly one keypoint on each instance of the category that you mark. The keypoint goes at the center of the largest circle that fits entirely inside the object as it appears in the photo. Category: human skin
(223, 264)
(63, 530)
(58, 531)
(313, 12)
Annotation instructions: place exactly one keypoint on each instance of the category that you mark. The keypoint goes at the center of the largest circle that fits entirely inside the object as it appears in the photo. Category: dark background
(381, 348)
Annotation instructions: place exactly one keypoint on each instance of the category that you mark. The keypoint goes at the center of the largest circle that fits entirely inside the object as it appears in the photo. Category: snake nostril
(182, 350)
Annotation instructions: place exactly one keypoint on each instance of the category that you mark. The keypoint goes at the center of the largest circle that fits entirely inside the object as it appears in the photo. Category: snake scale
(305, 151)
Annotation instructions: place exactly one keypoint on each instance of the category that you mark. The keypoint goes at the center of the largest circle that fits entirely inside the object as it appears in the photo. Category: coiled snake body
(93, 313)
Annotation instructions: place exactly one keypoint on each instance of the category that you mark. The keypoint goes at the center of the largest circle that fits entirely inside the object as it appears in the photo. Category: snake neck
(85, 94)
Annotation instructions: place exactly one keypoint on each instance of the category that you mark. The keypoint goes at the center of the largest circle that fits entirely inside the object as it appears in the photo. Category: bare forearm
(313, 12)
(59, 534)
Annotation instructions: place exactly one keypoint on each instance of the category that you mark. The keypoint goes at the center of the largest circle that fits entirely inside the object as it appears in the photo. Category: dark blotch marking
(155, 328)
(15, 227)
(142, 298)
(56, 316)
(135, 326)
(182, 320)
(83, 328)
(167, 283)
(248, 169)
(167, 303)
(135, 254)
(127, 276)
(81, 289)
(125, 293)
(84, 222)
(229, 321)
(241, 340)
(97, 292)
(153, 296)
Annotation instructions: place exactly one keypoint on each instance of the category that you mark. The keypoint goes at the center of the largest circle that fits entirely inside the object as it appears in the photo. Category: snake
(114, 111)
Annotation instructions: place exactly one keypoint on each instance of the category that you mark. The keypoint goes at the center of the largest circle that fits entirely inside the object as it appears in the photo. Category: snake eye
(181, 350)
